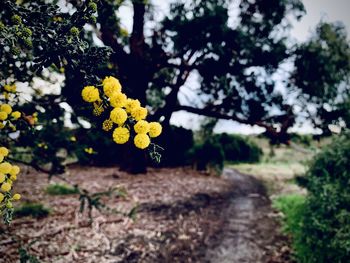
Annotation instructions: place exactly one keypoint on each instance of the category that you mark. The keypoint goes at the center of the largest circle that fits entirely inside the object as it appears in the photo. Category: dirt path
(249, 226)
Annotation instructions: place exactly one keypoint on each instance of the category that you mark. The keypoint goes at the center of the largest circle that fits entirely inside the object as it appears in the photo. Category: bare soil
(183, 216)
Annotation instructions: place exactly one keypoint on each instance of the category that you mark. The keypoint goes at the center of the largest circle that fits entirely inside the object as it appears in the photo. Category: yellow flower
(90, 94)
(10, 88)
(111, 85)
(13, 177)
(142, 141)
(107, 125)
(121, 135)
(131, 104)
(141, 127)
(4, 151)
(118, 99)
(5, 168)
(155, 129)
(16, 197)
(16, 115)
(73, 139)
(2, 125)
(118, 116)
(2, 178)
(14, 170)
(6, 108)
(89, 150)
(5, 187)
(139, 113)
(3, 115)
(1, 197)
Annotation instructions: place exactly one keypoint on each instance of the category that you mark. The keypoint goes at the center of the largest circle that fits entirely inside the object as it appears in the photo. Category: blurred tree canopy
(234, 59)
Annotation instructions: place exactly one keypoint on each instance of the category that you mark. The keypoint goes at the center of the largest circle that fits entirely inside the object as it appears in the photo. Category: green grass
(35, 210)
(291, 206)
(60, 189)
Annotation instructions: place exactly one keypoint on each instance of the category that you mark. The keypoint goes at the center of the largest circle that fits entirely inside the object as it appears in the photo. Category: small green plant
(291, 206)
(25, 257)
(35, 210)
(61, 189)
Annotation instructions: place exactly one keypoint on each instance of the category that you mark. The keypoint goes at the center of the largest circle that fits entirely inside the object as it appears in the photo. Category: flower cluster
(8, 174)
(125, 115)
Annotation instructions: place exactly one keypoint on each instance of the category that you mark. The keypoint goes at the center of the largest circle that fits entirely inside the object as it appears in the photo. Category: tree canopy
(234, 57)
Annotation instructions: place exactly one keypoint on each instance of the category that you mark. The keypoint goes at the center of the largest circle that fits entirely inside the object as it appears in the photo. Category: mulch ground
(179, 214)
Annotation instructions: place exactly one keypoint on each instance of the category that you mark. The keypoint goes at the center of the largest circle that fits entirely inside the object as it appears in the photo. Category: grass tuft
(61, 189)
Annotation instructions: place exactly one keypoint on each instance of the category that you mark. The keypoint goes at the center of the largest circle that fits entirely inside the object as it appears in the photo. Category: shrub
(61, 189)
(239, 149)
(177, 143)
(35, 210)
(325, 228)
(304, 139)
(208, 156)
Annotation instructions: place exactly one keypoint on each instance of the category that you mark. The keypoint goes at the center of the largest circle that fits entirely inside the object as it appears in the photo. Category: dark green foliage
(35, 210)
(106, 151)
(239, 148)
(325, 226)
(208, 156)
(61, 189)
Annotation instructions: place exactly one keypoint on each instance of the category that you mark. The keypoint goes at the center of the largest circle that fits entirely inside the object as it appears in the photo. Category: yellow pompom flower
(141, 127)
(139, 113)
(4, 151)
(2, 125)
(16, 197)
(90, 94)
(107, 125)
(131, 104)
(118, 116)
(5, 168)
(121, 135)
(1, 197)
(89, 150)
(2, 178)
(5, 187)
(13, 177)
(111, 85)
(10, 88)
(155, 129)
(141, 141)
(3, 115)
(118, 99)
(16, 115)
(6, 108)
(14, 170)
